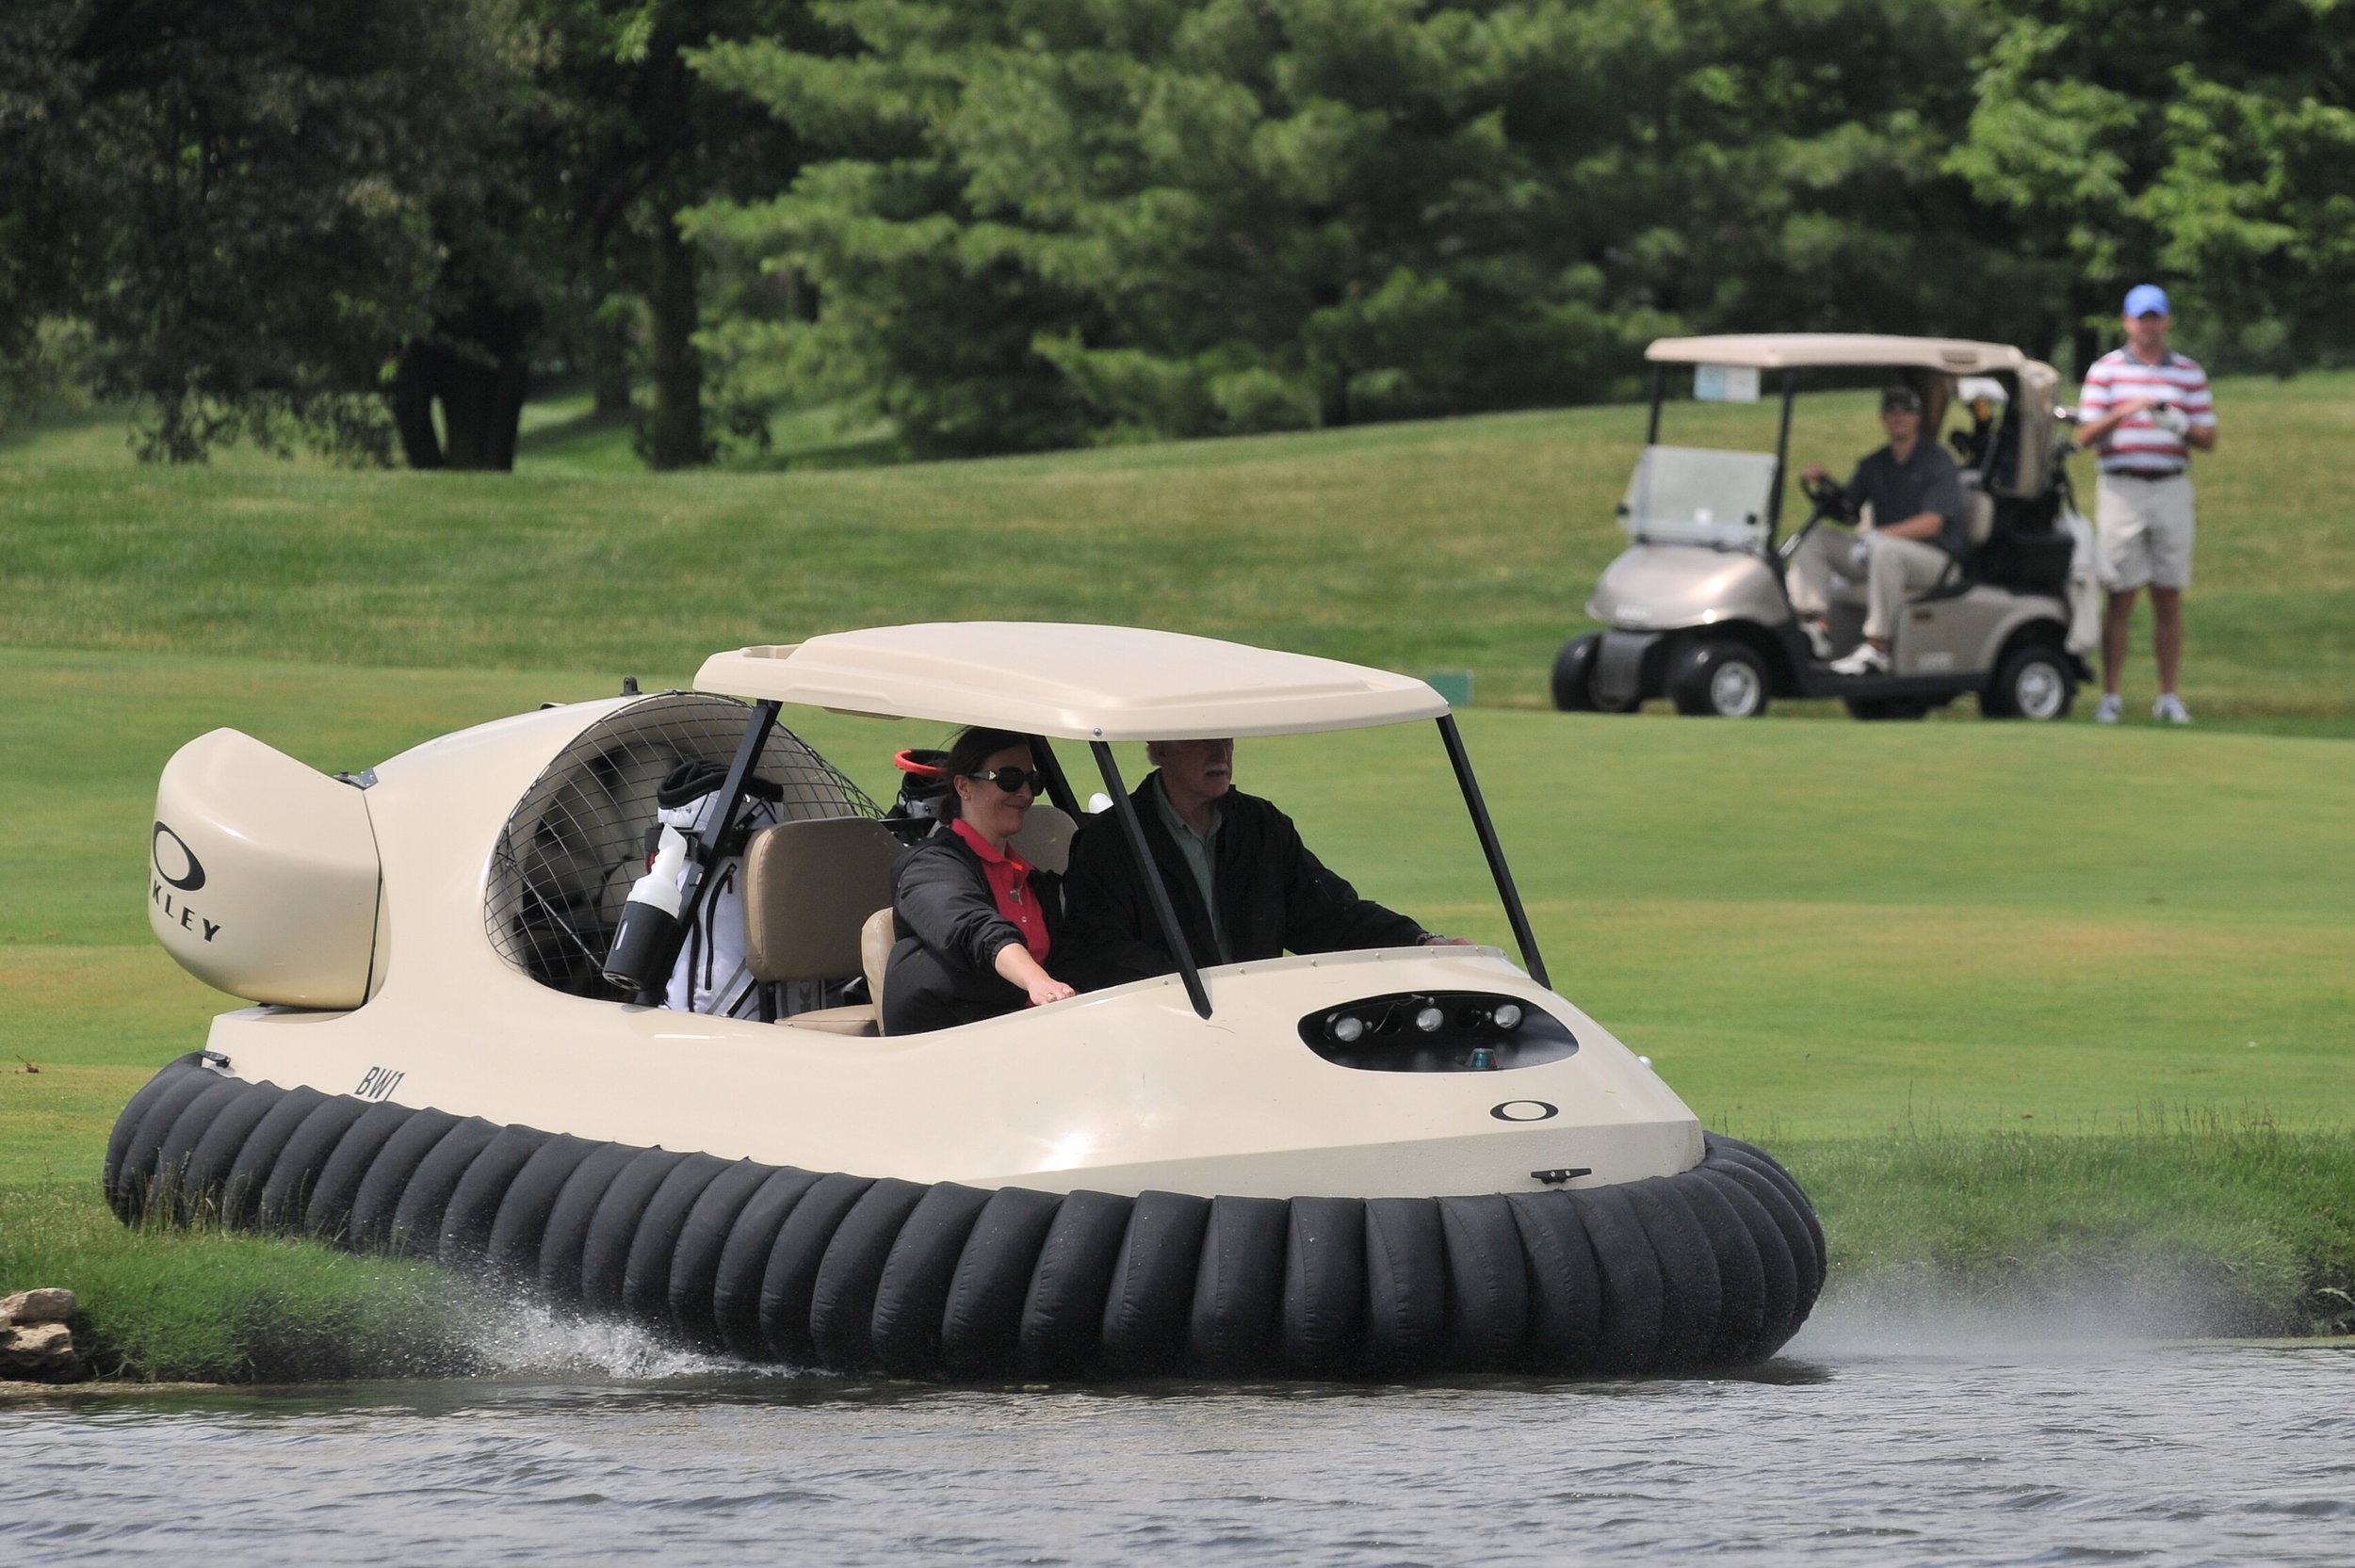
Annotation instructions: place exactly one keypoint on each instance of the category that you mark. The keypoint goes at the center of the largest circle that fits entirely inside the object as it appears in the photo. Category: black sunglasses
(1011, 780)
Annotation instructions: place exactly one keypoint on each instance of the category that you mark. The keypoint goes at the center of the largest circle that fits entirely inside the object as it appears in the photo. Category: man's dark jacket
(1274, 896)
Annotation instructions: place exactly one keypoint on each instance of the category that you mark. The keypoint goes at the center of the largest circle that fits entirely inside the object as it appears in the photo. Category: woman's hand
(1014, 963)
(1050, 988)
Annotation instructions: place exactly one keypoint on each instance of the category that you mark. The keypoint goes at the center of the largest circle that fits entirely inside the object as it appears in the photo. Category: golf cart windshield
(1697, 495)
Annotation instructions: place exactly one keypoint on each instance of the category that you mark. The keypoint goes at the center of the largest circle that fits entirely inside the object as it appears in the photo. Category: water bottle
(650, 917)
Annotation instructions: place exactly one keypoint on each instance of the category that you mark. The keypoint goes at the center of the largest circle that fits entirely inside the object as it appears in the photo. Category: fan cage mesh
(564, 863)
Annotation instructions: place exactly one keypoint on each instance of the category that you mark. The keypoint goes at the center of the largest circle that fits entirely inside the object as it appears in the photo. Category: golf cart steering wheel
(1830, 500)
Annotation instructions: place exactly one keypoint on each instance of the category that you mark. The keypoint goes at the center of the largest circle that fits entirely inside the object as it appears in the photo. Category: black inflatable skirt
(1712, 1267)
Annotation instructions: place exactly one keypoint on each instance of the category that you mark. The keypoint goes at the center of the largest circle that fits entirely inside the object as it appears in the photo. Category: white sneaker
(1817, 638)
(2111, 708)
(1866, 660)
(2169, 709)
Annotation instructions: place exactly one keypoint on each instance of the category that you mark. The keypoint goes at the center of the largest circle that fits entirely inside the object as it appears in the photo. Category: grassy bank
(2183, 1224)
(165, 1305)
(1466, 543)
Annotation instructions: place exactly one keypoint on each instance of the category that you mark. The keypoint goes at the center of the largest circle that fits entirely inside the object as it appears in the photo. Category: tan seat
(875, 941)
(806, 887)
(1978, 509)
(1045, 840)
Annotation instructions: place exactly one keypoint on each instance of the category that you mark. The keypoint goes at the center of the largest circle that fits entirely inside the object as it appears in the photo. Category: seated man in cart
(1916, 495)
(1245, 886)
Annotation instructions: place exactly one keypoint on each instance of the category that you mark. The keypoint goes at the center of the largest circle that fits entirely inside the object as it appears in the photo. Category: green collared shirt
(1201, 856)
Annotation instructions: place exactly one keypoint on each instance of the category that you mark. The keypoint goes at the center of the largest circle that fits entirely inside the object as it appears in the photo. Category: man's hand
(1815, 471)
(2098, 431)
(1433, 939)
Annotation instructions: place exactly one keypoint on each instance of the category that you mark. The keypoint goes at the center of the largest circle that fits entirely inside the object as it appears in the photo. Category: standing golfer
(2144, 409)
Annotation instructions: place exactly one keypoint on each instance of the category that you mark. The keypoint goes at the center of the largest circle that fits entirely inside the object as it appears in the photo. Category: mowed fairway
(1814, 930)
(1454, 544)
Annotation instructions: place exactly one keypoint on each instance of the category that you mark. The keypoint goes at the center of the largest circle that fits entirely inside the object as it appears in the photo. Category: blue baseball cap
(2146, 299)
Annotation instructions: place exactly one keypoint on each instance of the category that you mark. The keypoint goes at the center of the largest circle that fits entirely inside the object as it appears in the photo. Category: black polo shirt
(1926, 481)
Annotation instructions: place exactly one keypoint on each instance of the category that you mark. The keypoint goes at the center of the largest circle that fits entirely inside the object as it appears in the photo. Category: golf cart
(1699, 605)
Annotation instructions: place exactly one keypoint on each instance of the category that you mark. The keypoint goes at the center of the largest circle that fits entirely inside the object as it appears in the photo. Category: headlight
(1347, 1028)
(1429, 1019)
(1507, 1015)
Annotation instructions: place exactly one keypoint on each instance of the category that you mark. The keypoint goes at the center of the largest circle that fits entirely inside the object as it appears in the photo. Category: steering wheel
(1830, 500)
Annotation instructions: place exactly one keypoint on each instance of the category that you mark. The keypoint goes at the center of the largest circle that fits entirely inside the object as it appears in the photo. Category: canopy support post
(1782, 460)
(1164, 910)
(1531, 960)
(707, 844)
(1059, 788)
(1659, 393)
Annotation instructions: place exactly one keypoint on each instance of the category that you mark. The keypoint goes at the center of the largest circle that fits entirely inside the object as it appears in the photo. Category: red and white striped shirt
(2137, 446)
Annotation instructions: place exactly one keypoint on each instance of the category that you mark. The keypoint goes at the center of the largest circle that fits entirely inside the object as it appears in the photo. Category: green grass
(2000, 994)
(1468, 543)
(2176, 1224)
(177, 1306)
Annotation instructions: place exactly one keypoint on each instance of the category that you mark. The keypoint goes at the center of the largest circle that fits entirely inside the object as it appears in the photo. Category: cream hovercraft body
(1265, 1167)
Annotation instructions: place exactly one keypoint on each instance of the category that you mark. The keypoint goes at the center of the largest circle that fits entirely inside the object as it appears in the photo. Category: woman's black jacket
(943, 966)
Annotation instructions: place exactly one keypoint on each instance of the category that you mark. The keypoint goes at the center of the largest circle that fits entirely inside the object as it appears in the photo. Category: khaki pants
(1896, 571)
(2144, 527)
(1828, 569)
(1878, 570)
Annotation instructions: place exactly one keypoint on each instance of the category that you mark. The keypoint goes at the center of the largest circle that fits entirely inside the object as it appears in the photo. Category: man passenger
(1916, 495)
(1244, 884)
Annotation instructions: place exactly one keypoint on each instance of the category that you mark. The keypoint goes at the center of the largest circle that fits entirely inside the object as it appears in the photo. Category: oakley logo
(1524, 1110)
(175, 863)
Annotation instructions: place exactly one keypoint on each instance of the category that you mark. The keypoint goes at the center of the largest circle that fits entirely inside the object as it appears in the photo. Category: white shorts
(2144, 528)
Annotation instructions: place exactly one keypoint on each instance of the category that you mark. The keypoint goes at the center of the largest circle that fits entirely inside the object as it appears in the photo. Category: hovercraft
(1355, 1164)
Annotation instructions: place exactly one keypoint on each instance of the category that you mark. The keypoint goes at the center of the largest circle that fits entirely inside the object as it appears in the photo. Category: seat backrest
(876, 939)
(807, 887)
(1045, 840)
(1978, 509)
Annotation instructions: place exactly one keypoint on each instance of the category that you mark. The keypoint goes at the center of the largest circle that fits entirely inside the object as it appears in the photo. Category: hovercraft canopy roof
(1072, 682)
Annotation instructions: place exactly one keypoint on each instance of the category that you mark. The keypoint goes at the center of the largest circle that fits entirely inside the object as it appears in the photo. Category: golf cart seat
(809, 889)
(1978, 526)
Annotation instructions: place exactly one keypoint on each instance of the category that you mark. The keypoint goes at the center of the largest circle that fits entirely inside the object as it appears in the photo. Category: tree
(638, 138)
(1067, 220)
(255, 191)
(2209, 147)
(43, 267)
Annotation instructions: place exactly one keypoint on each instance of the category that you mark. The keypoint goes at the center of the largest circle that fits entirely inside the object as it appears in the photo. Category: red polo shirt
(1008, 877)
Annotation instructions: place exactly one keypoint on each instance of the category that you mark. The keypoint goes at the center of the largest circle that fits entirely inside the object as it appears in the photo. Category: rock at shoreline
(35, 1343)
(38, 1306)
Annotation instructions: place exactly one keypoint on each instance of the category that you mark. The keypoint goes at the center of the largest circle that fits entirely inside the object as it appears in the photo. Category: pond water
(1837, 1452)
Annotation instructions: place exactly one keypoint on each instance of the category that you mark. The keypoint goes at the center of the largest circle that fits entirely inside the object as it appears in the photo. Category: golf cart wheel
(1720, 680)
(2034, 682)
(1575, 674)
(1874, 708)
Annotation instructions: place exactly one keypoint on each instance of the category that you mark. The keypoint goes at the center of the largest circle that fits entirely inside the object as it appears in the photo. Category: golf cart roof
(1802, 351)
(1072, 682)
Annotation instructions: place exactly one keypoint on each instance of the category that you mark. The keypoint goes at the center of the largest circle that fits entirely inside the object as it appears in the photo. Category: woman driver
(976, 922)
